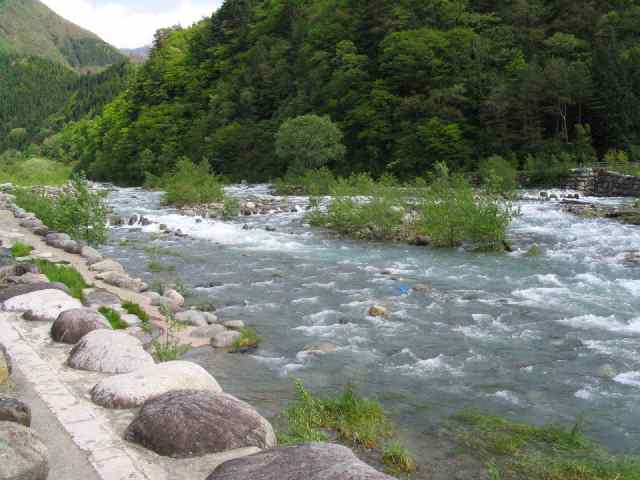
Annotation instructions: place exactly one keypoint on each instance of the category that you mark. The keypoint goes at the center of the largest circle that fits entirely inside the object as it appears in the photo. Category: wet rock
(192, 317)
(225, 339)
(116, 221)
(189, 423)
(100, 297)
(72, 325)
(13, 410)
(174, 296)
(321, 348)
(109, 351)
(270, 229)
(377, 311)
(133, 389)
(607, 371)
(41, 305)
(107, 266)
(234, 324)
(421, 241)
(133, 220)
(122, 280)
(92, 255)
(312, 461)
(24, 456)
(207, 332)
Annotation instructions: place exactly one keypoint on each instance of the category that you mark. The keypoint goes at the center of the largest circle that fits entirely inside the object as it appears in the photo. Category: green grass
(356, 420)
(248, 339)
(398, 459)
(35, 171)
(514, 450)
(114, 318)
(155, 266)
(135, 309)
(534, 251)
(21, 250)
(66, 275)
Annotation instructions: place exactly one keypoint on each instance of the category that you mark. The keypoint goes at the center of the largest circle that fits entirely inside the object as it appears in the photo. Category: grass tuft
(114, 318)
(66, 275)
(21, 250)
(398, 459)
(249, 339)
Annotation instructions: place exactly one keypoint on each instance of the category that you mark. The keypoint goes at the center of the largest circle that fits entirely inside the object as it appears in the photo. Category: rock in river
(109, 351)
(23, 455)
(189, 423)
(312, 461)
(72, 325)
(225, 339)
(133, 389)
(13, 410)
(42, 305)
(377, 311)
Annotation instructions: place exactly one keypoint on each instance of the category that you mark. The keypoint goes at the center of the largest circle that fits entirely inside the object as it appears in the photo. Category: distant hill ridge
(28, 27)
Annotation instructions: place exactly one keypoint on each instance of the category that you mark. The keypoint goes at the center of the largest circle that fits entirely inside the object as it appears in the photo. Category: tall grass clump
(114, 318)
(248, 339)
(23, 172)
(64, 274)
(19, 250)
(168, 348)
(191, 184)
(77, 211)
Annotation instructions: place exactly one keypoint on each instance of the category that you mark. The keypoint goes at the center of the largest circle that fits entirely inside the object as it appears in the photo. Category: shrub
(66, 275)
(398, 459)
(113, 318)
(249, 339)
(498, 175)
(312, 182)
(308, 142)
(77, 211)
(549, 170)
(231, 208)
(21, 250)
(168, 348)
(192, 184)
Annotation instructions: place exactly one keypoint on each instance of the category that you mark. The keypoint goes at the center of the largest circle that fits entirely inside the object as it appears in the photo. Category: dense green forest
(408, 83)
(40, 97)
(30, 28)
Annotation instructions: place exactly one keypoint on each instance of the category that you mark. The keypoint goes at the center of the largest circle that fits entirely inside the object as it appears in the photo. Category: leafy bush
(312, 182)
(16, 169)
(76, 211)
(113, 318)
(66, 275)
(498, 175)
(21, 250)
(549, 170)
(192, 184)
(231, 208)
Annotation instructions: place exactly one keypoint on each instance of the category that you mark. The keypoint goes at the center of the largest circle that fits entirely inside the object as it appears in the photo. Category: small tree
(309, 142)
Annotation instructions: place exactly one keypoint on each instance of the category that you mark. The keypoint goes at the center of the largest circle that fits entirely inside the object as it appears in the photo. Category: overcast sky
(131, 23)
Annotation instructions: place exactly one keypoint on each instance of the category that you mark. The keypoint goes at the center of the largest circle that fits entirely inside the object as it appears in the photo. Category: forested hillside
(28, 27)
(40, 97)
(408, 82)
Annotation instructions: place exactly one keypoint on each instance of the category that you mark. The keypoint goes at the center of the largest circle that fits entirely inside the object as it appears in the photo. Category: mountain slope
(28, 27)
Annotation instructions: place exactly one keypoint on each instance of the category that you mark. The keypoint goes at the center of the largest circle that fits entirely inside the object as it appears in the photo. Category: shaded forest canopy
(408, 83)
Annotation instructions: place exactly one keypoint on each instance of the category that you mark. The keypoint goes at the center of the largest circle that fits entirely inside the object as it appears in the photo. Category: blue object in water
(405, 289)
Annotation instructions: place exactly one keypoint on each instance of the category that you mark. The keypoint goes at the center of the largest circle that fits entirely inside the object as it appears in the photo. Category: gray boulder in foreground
(109, 351)
(133, 389)
(312, 461)
(189, 423)
(42, 305)
(72, 325)
(23, 455)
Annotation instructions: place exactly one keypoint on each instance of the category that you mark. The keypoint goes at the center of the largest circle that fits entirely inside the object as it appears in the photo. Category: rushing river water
(525, 337)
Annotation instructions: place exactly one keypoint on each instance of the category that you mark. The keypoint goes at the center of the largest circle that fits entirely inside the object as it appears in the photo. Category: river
(524, 337)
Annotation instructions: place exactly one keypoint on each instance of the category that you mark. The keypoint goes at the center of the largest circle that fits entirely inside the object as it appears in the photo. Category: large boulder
(109, 351)
(23, 455)
(122, 280)
(6, 367)
(107, 266)
(133, 389)
(13, 410)
(225, 339)
(57, 240)
(72, 246)
(17, 290)
(192, 317)
(311, 461)
(174, 296)
(42, 305)
(72, 325)
(100, 297)
(91, 255)
(190, 423)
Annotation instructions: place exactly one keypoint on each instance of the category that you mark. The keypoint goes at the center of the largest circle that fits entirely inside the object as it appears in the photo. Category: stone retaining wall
(604, 183)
